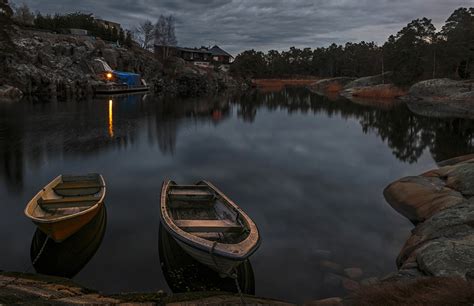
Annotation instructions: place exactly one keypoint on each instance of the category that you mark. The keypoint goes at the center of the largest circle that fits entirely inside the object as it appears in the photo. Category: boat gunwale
(34, 202)
(245, 247)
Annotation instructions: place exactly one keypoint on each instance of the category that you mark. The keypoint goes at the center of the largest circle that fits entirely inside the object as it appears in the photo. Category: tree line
(146, 34)
(415, 53)
(62, 23)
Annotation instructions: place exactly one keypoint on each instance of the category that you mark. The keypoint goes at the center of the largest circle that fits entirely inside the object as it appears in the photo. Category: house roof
(216, 50)
(194, 50)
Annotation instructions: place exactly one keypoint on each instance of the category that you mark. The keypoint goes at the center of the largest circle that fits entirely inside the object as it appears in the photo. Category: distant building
(220, 56)
(80, 32)
(109, 24)
(199, 57)
(204, 57)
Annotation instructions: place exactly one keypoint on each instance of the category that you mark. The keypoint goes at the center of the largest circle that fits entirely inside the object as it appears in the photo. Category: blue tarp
(128, 78)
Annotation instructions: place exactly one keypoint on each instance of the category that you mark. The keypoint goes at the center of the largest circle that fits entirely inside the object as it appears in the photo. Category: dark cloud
(238, 25)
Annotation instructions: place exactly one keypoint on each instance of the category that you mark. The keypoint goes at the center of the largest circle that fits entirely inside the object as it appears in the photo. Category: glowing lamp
(109, 75)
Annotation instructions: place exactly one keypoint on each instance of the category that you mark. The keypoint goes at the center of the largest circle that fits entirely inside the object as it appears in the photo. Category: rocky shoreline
(436, 264)
(432, 98)
(24, 288)
(440, 203)
(50, 65)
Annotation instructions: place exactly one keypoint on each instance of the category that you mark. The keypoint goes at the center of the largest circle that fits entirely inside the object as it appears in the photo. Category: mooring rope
(236, 279)
(30, 266)
(234, 275)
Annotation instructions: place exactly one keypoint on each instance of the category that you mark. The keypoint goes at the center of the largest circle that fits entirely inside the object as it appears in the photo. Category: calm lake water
(310, 171)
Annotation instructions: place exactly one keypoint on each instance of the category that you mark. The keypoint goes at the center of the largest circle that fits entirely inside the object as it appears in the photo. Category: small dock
(119, 89)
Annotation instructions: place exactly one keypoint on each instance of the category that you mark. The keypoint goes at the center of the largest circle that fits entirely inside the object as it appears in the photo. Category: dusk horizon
(237, 26)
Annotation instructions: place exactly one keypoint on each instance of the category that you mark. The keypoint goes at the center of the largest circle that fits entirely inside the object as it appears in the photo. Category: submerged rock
(332, 280)
(350, 284)
(330, 266)
(10, 93)
(334, 301)
(354, 273)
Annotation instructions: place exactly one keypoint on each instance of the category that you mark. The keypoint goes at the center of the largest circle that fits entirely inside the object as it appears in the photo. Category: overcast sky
(238, 25)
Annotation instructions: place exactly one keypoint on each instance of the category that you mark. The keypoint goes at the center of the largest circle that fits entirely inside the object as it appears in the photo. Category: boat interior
(200, 211)
(72, 194)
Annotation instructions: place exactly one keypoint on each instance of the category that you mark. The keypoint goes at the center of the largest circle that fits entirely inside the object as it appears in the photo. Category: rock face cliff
(54, 65)
(440, 204)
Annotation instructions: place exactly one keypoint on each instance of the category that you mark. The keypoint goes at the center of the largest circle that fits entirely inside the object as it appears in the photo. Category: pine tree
(128, 39)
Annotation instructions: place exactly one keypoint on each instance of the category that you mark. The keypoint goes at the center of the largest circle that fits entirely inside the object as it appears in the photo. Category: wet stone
(350, 284)
(369, 281)
(330, 266)
(354, 273)
(332, 280)
(334, 301)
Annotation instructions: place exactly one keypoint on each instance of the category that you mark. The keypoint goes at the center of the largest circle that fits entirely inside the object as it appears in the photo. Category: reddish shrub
(426, 291)
(380, 91)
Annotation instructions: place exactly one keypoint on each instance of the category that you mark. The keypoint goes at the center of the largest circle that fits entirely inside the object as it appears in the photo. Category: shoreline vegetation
(416, 53)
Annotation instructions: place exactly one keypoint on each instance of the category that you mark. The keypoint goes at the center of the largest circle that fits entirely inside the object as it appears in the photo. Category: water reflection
(34, 132)
(406, 133)
(185, 274)
(111, 118)
(67, 258)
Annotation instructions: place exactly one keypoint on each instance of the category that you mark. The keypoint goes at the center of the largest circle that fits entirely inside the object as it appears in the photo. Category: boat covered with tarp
(115, 81)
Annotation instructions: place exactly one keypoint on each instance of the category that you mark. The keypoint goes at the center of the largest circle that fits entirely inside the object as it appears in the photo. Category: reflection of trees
(11, 149)
(407, 134)
(30, 135)
(453, 138)
(166, 132)
(170, 114)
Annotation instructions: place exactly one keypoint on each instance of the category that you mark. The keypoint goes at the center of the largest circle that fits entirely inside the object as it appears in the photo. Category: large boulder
(384, 78)
(441, 203)
(420, 197)
(442, 89)
(451, 223)
(442, 98)
(448, 257)
(333, 85)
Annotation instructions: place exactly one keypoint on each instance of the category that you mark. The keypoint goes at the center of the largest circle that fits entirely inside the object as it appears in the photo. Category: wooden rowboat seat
(78, 188)
(78, 185)
(209, 226)
(67, 202)
(191, 194)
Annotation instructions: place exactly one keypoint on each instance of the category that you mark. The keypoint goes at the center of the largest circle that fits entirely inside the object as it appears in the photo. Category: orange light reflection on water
(111, 118)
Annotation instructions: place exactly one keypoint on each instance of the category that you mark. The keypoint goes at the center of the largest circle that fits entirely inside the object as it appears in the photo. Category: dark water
(309, 171)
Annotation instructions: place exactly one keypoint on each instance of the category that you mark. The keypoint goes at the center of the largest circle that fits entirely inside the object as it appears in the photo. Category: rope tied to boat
(30, 266)
(234, 275)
